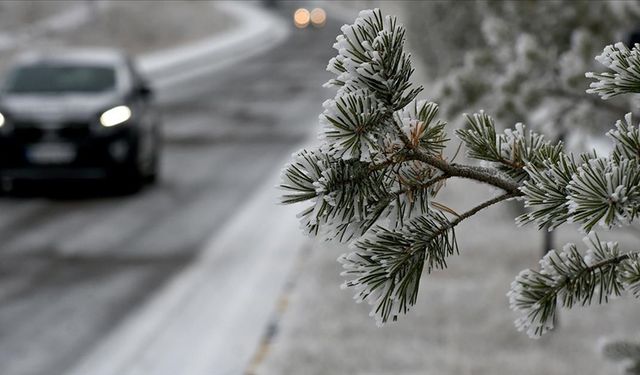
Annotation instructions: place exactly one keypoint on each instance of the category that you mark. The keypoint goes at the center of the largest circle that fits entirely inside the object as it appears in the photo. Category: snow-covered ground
(211, 317)
(138, 27)
(252, 32)
(26, 22)
(16, 15)
(462, 323)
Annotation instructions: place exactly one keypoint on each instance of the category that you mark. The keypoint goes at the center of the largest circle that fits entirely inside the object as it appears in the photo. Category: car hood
(57, 106)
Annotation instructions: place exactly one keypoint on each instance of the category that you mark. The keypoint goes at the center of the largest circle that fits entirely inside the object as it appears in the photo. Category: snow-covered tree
(625, 351)
(372, 181)
(522, 60)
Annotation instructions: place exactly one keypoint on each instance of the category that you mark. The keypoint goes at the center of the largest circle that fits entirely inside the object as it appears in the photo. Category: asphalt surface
(76, 259)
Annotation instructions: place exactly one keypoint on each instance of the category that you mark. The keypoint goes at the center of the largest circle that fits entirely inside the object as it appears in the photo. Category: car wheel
(129, 178)
(153, 171)
(151, 177)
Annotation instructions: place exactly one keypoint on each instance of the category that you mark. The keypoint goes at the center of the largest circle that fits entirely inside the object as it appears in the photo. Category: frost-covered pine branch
(592, 190)
(510, 151)
(567, 278)
(373, 180)
(624, 74)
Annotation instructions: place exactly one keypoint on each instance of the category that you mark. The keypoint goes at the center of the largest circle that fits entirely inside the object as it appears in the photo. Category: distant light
(318, 17)
(115, 116)
(1, 120)
(301, 18)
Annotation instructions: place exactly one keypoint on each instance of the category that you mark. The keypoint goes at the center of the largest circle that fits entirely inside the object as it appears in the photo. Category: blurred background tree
(522, 61)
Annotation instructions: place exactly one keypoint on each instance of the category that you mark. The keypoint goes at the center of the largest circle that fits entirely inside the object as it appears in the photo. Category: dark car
(77, 115)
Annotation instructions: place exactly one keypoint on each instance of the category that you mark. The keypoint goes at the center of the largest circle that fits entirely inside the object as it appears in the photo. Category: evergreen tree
(626, 352)
(372, 182)
(522, 60)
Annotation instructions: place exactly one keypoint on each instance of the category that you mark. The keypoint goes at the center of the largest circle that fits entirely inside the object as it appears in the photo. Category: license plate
(51, 153)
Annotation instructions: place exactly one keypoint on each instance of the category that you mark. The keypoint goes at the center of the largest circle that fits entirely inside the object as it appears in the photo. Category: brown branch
(389, 162)
(424, 185)
(482, 174)
(486, 175)
(481, 207)
(470, 213)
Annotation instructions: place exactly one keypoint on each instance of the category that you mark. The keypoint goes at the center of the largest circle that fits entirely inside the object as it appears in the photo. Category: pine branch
(597, 191)
(624, 74)
(387, 265)
(626, 138)
(569, 278)
(601, 192)
(486, 175)
(547, 193)
(424, 185)
(380, 163)
(460, 218)
(484, 205)
(345, 197)
(509, 151)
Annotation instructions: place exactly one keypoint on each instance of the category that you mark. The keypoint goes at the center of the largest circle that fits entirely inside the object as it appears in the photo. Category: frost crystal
(625, 65)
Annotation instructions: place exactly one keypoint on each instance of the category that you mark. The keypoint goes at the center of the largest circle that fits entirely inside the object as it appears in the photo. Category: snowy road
(73, 267)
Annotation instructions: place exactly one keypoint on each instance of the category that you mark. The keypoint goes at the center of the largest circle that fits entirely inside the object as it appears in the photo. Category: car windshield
(61, 78)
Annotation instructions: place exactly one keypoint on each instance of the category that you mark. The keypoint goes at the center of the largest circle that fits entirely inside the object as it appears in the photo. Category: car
(78, 114)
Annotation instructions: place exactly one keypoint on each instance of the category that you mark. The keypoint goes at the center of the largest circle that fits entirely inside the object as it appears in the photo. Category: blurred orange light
(301, 18)
(318, 17)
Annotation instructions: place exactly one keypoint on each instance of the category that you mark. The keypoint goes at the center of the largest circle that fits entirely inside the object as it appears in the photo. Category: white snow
(209, 319)
(62, 21)
(256, 32)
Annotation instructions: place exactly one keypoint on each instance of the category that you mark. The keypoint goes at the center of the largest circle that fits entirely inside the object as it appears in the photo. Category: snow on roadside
(256, 31)
(65, 20)
(163, 31)
(210, 318)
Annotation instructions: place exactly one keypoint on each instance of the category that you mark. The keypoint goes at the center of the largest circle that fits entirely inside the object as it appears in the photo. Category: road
(75, 262)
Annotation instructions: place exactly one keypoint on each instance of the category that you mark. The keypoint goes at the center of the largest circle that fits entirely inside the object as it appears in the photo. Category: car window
(61, 78)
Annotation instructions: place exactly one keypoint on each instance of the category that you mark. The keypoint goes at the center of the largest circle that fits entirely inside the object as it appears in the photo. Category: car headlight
(115, 116)
(2, 120)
